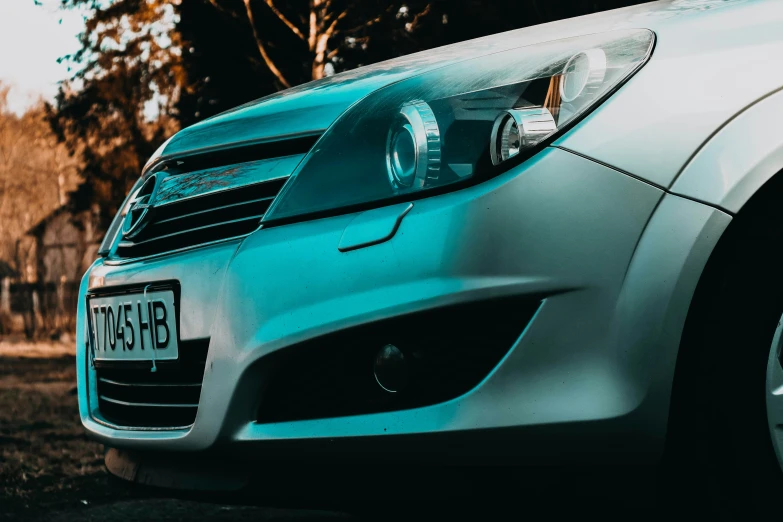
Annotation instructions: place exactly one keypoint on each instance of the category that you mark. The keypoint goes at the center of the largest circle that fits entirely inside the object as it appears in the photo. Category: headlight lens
(459, 124)
(413, 147)
(519, 129)
(583, 74)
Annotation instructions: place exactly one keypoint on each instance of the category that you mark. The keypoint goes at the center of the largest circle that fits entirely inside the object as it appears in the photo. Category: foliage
(118, 107)
(36, 172)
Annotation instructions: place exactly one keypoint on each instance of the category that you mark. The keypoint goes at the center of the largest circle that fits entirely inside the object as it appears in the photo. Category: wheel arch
(754, 198)
(738, 173)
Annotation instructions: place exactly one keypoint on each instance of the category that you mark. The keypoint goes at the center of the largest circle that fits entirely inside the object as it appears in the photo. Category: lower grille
(130, 395)
(449, 349)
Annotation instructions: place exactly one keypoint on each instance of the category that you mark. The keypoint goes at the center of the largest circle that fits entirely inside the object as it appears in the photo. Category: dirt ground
(50, 471)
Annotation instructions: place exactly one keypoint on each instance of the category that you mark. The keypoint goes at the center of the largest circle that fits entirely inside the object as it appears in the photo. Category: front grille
(200, 220)
(130, 395)
(206, 197)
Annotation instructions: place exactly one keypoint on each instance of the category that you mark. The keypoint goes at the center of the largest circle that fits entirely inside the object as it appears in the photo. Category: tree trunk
(5, 296)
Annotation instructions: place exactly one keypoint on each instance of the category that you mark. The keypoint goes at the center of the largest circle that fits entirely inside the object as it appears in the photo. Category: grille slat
(130, 395)
(130, 244)
(190, 239)
(147, 404)
(216, 209)
(147, 384)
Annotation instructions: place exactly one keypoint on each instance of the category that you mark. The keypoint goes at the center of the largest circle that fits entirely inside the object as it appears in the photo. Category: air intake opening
(446, 353)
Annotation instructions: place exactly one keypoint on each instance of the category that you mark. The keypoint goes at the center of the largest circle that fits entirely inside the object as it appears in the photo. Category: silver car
(553, 245)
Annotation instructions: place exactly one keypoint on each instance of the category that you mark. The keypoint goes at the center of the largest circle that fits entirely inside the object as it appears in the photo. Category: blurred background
(90, 88)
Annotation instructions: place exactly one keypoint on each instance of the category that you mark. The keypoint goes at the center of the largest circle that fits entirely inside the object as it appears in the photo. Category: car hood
(310, 108)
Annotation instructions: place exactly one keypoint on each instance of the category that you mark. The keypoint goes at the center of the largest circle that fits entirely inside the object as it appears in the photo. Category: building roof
(38, 228)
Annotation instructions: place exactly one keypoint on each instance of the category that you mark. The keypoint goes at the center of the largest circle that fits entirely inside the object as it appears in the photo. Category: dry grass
(36, 350)
(45, 459)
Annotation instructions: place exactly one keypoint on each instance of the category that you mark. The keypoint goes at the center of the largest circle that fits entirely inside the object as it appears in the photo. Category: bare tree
(325, 21)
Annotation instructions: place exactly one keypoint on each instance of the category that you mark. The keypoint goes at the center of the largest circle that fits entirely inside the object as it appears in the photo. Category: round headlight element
(583, 74)
(517, 129)
(413, 147)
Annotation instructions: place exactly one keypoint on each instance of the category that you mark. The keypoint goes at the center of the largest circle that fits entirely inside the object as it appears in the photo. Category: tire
(719, 460)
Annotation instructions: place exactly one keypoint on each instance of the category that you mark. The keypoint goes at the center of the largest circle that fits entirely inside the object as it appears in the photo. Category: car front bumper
(613, 261)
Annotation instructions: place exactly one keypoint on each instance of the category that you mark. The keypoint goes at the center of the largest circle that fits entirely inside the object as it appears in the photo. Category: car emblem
(139, 209)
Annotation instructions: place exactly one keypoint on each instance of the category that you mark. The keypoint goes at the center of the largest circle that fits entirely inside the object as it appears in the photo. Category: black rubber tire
(719, 460)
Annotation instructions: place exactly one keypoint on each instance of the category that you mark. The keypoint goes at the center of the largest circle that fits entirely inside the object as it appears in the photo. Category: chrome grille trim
(129, 260)
(129, 244)
(259, 200)
(176, 187)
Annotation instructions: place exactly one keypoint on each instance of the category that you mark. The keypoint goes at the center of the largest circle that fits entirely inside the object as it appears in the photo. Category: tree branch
(313, 28)
(424, 12)
(332, 30)
(328, 12)
(322, 41)
(223, 9)
(368, 23)
(262, 49)
(285, 20)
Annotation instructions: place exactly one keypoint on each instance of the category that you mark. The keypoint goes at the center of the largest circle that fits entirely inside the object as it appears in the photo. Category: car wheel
(774, 392)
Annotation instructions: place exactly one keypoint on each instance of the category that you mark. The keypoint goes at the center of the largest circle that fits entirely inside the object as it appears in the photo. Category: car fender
(745, 153)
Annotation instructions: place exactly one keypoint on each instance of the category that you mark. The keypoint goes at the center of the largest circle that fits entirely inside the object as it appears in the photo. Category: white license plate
(133, 327)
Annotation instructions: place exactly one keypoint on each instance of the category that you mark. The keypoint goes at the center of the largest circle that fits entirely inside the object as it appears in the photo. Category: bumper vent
(129, 395)
(450, 350)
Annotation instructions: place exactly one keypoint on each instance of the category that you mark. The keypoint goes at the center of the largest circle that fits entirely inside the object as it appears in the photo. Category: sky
(32, 37)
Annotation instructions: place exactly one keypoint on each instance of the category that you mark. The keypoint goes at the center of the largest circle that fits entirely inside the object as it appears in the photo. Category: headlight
(413, 147)
(459, 124)
(518, 129)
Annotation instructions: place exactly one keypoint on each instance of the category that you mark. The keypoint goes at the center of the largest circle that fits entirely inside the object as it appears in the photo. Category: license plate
(133, 327)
